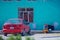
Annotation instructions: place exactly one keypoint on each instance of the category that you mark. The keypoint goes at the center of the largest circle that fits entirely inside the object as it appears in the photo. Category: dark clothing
(50, 27)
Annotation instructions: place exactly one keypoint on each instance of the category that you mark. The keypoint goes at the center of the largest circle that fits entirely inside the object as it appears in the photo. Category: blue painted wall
(44, 12)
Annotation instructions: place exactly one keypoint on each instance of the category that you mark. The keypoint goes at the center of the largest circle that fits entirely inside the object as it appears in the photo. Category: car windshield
(14, 21)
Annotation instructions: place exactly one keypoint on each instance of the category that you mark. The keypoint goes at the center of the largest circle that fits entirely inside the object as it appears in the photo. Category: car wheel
(23, 33)
(5, 34)
(15, 34)
(29, 33)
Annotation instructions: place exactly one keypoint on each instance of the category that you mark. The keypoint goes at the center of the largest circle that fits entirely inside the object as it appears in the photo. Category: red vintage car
(15, 26)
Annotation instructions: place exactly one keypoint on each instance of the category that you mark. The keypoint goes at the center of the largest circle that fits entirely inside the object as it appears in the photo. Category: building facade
(44, 11)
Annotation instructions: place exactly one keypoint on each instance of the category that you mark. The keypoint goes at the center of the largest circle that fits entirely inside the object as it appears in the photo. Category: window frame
(28, 12)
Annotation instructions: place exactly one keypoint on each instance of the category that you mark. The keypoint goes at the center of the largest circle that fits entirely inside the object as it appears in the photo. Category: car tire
(15, 34)
(29, 32)
(5, 34)
(23, 33)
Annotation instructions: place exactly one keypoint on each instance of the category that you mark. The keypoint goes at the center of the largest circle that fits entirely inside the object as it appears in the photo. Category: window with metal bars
(26, 14)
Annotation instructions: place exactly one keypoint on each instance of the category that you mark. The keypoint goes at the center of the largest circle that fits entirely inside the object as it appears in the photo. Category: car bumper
(11, 31)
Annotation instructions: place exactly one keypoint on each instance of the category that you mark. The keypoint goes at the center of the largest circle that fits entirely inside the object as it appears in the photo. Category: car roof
(12, 21)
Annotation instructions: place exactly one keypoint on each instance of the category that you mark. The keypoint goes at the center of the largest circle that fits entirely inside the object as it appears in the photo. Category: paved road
(52, 36)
